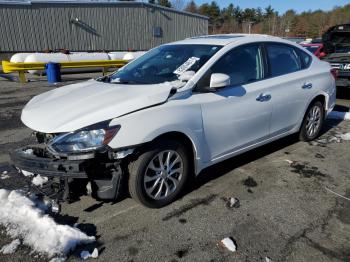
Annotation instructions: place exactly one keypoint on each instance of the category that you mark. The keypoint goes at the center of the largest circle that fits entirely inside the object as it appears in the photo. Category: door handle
(263, 97)
(307, 86)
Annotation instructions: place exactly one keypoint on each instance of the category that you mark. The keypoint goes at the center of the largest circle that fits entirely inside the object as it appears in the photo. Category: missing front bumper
(67, 179)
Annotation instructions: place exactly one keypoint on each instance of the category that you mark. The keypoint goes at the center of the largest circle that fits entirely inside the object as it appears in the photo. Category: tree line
(233, 19)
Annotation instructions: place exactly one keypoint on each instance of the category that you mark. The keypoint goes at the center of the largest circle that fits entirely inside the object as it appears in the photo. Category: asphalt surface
(285, 212)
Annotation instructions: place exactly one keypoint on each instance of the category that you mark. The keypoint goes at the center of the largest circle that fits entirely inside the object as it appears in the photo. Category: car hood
(68, 108)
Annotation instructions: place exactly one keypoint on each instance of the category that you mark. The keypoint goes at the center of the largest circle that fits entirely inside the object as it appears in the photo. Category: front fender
(174, 116)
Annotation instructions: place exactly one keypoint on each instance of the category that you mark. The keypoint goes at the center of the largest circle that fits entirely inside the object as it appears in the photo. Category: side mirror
(218, 80)
(186, 76)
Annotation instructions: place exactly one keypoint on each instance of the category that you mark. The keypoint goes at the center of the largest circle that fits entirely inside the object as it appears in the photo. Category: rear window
(283, 59)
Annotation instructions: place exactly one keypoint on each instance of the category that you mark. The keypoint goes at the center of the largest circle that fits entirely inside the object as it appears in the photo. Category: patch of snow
(28, 151)
(58, 259)
(22, 218)
(10, 248)
(339, 115)
(4, 175)
(26, 173)
(88, 188)
(334, 139)
(86, 254)
(39, 180)
(345, 136)
(94, 253)
(229, 244)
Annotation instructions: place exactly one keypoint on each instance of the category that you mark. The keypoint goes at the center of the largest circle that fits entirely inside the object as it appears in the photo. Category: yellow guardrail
(21, 68)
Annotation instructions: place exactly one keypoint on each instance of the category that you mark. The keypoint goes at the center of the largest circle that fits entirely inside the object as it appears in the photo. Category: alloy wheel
(163, 174)
(313, 121)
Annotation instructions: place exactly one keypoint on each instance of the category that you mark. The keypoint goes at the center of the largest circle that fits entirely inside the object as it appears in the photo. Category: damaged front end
(62, 176)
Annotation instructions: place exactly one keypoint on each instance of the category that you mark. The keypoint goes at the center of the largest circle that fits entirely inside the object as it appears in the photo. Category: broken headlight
(84, 140)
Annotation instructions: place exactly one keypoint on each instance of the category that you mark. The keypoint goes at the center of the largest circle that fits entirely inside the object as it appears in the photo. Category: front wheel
(313, 122)
(159, 174)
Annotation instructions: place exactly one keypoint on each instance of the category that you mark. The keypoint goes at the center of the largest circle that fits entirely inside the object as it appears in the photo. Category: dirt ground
(285, 213)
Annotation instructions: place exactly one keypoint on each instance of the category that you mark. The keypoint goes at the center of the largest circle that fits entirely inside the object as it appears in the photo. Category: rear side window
(304, 58)
(283, 59)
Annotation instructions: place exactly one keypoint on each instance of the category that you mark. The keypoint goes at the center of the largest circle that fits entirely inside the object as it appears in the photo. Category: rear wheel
(313, 122)
(159, 174)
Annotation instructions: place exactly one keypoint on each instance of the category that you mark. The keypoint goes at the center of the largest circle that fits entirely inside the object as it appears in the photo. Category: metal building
(92, 26)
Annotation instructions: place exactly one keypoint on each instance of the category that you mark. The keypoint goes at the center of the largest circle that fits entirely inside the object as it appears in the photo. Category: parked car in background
(164, 117)
(297, 40)
(337, 47)
(316, 49)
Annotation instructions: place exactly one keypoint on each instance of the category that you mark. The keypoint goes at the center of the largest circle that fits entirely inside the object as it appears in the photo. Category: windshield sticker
(187, 65)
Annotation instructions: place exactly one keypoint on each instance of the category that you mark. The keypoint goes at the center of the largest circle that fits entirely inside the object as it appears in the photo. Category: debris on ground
(335, 193)
(250, 182)
(233, 202)
(229, 243)
(339, 115)
(267, 259)
(39, 180)
(86, 254)
(23, 218)
(10, 248)
(289, 161)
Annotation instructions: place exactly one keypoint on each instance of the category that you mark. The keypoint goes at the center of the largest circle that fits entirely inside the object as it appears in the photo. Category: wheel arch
(186, 141)
(323, 98)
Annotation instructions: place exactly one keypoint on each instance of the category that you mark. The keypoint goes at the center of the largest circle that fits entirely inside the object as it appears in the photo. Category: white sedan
(176, 110)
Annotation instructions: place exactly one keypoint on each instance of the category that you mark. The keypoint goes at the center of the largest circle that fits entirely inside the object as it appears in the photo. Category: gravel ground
(285, 212)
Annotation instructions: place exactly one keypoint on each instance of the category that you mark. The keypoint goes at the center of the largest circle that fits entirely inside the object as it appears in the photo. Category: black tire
(304, 135)
(137, 171)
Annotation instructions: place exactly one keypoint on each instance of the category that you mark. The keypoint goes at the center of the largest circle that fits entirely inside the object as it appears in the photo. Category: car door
(236, 116)
(290, 85)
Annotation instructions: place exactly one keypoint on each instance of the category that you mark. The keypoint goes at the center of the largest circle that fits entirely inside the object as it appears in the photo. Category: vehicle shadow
(222, 168)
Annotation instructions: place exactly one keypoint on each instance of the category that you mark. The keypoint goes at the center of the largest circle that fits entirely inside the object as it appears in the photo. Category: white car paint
(220, 124)
(69, 108)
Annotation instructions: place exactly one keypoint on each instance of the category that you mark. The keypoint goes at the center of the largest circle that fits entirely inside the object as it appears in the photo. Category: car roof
(312, 44)
(225, 39)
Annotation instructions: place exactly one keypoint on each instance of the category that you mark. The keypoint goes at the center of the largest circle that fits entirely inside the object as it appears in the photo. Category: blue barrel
(53, 72)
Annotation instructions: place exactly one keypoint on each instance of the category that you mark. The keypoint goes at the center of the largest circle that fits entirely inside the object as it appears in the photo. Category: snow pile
(345, 136)
(339, 115)
(229, 243)
(23, 219)
(39, 180)
(10, 248)
(86, 254)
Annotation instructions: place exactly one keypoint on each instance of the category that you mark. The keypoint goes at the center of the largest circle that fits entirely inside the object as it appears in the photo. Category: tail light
(334, 73)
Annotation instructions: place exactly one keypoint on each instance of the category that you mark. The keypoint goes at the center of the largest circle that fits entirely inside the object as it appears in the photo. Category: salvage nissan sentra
(178, 109)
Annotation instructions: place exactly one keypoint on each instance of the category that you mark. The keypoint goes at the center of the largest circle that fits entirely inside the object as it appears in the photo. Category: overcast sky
(282, 5)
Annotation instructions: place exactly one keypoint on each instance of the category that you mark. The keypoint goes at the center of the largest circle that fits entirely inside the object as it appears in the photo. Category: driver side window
(243, 64)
